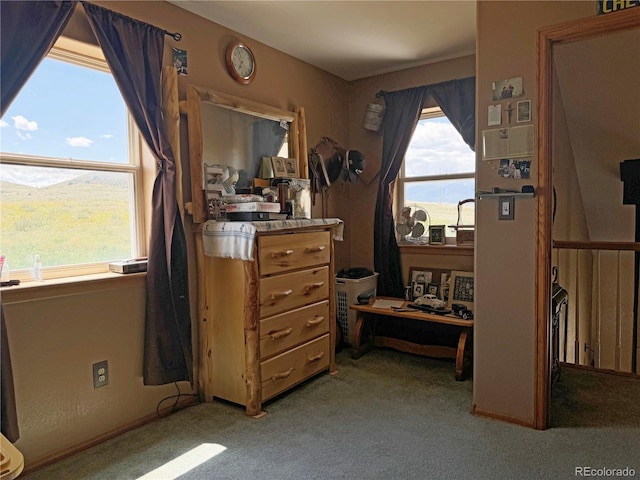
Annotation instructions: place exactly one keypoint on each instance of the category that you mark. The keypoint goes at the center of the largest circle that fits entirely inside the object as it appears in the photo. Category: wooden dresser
(266, 323)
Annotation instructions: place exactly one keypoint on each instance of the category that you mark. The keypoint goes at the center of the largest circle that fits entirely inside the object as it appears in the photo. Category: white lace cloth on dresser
(236, 239)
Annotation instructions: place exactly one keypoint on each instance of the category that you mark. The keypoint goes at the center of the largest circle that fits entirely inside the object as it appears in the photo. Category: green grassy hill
(82, 220)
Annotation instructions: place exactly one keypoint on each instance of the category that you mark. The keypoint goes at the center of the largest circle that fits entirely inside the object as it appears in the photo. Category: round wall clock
(241, 63)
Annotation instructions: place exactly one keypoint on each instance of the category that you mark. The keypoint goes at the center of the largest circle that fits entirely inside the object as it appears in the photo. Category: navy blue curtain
(403, 110)
(457, 100)
(28, 30)
(133, 50)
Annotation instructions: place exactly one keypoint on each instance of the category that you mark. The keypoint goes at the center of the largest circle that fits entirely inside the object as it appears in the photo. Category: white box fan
(412, 225)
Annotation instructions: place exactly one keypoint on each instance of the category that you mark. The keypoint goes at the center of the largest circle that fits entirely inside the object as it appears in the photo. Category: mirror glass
(240, 140)
(237, 133)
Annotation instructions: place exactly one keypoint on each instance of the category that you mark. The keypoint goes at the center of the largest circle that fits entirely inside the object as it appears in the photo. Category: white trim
(402, 179)
(91, 56)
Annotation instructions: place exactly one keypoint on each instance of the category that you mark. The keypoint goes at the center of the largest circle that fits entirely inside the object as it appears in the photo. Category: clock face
(241, 63)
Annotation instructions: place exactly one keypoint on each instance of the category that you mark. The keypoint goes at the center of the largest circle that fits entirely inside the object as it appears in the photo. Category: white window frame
(89, 56)
(402, 180)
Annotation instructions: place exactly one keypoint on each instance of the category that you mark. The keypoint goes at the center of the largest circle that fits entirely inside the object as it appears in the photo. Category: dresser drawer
(281, 253)
(286, 330)
(294, 366)
(291, 290)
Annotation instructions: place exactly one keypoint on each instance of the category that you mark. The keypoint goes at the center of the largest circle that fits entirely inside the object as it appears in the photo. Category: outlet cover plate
(100, 374)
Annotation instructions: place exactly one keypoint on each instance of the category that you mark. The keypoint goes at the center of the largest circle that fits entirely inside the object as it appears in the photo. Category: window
(70, 171)
(438, 172)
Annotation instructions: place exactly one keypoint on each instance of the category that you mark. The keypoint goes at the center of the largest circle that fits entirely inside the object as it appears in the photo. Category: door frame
(548, 38)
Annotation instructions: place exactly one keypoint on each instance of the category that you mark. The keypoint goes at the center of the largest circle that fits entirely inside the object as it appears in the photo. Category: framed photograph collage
(451, 286)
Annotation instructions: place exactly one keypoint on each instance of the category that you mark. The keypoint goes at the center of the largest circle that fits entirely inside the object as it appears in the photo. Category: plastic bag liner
(355, 272)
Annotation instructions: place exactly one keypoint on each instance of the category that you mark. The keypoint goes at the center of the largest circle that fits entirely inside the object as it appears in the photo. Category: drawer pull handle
(319, 248)
(283, 253)
(315, 321)
(311, 286)
(315, 358)
(277, 295)
(280, 334)
(281, 375)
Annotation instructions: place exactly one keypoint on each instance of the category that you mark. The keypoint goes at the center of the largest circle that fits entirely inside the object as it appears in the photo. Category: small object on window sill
(9, 283)
(128, 266)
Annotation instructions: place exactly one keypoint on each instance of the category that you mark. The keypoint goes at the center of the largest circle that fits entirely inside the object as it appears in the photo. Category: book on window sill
(273, 207)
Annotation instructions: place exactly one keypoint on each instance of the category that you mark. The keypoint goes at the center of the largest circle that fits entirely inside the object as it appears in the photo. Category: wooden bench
(369, 313)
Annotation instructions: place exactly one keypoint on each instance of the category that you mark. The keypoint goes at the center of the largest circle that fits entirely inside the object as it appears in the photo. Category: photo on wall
(512, 168)
(507, 88)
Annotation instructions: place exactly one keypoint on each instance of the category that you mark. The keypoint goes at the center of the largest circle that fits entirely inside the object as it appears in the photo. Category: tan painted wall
(505, 250)
(55, 341)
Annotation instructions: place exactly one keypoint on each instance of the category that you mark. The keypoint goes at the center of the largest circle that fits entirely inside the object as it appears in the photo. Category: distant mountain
(100, 178)
(39, 177)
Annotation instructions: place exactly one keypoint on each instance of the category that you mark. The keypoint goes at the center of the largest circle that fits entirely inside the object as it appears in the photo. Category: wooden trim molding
(498, 416)
(547, 38)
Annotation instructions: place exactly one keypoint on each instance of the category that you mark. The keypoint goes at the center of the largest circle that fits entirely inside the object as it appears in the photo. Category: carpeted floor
(584, 398)
(386, 416)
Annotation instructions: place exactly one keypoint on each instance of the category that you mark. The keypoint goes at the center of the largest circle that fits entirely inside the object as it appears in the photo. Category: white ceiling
(352, 39)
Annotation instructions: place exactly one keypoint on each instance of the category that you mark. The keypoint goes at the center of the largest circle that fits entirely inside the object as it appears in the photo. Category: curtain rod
(383, 93)
(176, 36)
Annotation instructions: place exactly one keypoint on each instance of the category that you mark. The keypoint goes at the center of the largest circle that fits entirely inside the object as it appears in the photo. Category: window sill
(460, 250)
(60, 287)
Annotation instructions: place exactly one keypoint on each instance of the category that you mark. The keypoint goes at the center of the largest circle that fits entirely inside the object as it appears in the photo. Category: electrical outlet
(100, 374)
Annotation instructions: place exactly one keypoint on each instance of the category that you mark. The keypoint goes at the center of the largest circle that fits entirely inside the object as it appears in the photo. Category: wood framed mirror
(232, 131)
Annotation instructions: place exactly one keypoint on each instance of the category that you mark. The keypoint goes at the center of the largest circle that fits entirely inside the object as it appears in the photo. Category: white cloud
(78, 141)
(3, 123)
(24, 136)
(106, 135)
(22, 123)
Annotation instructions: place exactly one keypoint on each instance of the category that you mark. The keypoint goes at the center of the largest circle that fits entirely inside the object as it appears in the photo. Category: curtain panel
(28, 30)
(134, 53)
(403, 110)
(134, 50)
(457, 99)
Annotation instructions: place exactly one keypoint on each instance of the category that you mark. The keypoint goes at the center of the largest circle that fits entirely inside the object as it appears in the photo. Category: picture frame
(291, 167)
(523, 110)
(423, 280)
(507, 88)
(445, 279)
(461, 289)
(514, 168)
(279, 167)
(437, 235)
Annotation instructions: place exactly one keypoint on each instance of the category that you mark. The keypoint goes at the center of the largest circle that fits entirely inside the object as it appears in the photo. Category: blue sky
(66, 111)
